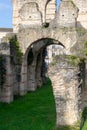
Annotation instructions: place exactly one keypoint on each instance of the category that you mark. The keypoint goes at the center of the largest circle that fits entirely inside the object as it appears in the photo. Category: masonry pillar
(65, 83)
(86, 74)
(32, 84)
(43, 68)
(7, 88)
(23, 83)
(84, 90)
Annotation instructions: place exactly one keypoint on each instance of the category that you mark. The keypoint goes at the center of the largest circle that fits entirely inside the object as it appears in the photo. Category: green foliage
(81, 31)
(74, 60)
(84, 119)
(84, 50)
(70, 59)
(2, 70)
(15, 49)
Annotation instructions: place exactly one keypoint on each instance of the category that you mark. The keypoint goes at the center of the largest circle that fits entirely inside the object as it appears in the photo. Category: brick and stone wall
(67, 14)
(32, 12)
(64, 77)
(4, 31)
(82, 14)
(51, 10)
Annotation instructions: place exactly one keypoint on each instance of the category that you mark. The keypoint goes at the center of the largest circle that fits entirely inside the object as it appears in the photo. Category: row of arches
(34, 65)
(64, 80)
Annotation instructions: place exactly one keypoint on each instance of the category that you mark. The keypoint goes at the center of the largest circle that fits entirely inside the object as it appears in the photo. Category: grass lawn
(85, 119)
(34, 111)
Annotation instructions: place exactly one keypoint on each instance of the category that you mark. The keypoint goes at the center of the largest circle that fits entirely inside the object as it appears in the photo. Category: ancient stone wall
(4, 31)
(67, 14)
(44, 11)
(51, 10)
(64, 77)
(32, 12)
(82, 14)
(11, 83)
(84, 88)
(29, 21)
(6, 91)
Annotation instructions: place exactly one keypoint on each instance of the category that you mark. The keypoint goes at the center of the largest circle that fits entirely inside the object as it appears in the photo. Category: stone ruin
(37, 24)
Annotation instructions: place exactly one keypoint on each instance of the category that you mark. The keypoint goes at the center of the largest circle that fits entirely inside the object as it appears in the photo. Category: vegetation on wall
(69, 59)
(15, 50)
(84, 50)
(2, 70)
(81, 31)
(74, 60)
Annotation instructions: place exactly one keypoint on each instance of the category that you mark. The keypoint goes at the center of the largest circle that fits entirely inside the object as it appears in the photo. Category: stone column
(23, 83)
(43, 68)
(65, 87)
(7, 88)
(32, 84)
(84, 90)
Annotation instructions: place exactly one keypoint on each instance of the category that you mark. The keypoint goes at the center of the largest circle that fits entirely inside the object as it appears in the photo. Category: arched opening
(30, 57)
(51, 9)
(35, 64)
(35, 60)
(62, 76)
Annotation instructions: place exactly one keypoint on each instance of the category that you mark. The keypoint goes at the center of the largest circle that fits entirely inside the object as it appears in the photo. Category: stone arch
(60, 92)
(37, 48)
(63, 35)
(31, 77)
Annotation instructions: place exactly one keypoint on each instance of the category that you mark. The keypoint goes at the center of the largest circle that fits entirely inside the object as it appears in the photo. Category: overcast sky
(6, 13)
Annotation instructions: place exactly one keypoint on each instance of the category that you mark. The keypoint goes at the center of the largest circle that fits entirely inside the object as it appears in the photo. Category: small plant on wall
(2, 70)
(16, 53)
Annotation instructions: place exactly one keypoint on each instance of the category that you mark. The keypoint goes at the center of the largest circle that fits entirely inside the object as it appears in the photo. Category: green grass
(85, 125)
(35, 111)
(84, 119)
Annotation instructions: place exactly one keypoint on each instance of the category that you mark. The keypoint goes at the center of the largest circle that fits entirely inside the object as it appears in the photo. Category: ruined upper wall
(50, 10)
(4, 31)
(32, 12)
(67, 14)
(82, 15)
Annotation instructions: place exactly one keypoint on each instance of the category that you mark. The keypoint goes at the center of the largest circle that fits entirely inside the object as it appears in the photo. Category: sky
(6, 13)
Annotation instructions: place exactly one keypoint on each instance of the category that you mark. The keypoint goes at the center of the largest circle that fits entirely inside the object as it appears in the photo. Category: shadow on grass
(76, 127)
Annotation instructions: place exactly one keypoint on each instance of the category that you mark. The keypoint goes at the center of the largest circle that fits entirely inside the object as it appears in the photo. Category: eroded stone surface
(65, 83)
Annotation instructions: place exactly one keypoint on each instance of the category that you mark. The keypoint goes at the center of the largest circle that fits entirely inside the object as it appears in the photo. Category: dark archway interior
(37, 62)
(38, 57)
(30, 57)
